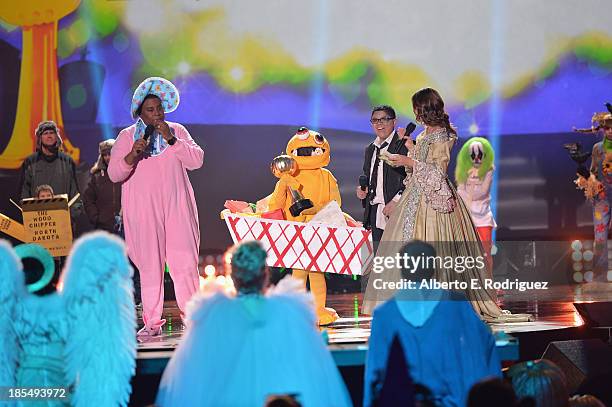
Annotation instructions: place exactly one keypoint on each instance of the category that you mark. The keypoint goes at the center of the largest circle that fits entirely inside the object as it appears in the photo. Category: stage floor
(552, 309)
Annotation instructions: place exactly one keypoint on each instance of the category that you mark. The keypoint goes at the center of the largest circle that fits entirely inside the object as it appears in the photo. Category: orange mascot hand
(288, 181)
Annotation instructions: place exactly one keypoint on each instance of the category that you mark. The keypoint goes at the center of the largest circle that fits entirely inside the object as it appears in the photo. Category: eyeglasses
(382, 120)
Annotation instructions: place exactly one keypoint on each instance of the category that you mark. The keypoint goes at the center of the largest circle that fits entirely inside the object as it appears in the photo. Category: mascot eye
(319, 139)
(302, 133)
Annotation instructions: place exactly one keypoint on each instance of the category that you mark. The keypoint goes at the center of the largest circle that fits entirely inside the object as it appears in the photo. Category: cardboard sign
(12, 228)
(47, 223)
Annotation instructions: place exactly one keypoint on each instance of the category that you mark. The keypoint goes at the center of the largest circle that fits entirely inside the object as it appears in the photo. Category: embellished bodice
(425, 140)
(429, 178)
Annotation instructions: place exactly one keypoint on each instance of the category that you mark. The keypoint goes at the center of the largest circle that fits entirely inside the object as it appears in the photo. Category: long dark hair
(429, 109)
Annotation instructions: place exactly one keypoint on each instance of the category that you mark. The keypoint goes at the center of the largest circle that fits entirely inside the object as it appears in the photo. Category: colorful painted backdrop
(503, 67)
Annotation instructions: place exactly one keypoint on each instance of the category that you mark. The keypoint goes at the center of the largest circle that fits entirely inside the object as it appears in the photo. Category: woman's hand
(408, 142)
(398, 160)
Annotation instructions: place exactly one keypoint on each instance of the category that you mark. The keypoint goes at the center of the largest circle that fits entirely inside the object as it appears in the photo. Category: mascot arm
(278, 199)
(334, 191)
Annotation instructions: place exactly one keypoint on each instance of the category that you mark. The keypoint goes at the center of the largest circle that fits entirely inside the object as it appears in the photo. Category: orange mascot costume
(311, 152)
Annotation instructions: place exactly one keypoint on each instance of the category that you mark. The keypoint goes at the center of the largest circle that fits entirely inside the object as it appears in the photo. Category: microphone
(410, 127)
(363, 182)
(148, 131)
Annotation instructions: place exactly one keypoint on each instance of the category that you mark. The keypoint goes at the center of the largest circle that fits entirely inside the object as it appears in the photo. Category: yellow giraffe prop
(39, 97)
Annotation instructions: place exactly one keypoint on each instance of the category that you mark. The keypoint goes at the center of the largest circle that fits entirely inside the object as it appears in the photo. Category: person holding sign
(50, 166)
(44, 192)
(160, 216)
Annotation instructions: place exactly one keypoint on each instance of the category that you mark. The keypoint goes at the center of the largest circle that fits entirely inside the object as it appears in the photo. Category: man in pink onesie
(160, 216)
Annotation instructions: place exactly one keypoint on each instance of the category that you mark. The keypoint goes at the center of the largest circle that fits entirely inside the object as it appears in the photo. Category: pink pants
(154, 246)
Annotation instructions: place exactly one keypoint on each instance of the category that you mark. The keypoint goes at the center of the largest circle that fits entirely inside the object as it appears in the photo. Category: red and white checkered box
(306, 246)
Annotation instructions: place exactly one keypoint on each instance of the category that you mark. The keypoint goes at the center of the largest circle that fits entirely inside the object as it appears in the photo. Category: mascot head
(476, 153)
(309, 149)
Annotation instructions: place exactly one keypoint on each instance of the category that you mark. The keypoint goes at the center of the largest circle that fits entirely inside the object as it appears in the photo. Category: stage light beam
(320, 42)
(495, 75)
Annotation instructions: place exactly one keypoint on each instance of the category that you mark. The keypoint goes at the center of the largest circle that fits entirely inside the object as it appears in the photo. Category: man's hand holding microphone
(139, 146)
(362, 189)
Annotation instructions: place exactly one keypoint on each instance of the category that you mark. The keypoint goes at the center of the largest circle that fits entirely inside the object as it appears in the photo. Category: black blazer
(393, 178)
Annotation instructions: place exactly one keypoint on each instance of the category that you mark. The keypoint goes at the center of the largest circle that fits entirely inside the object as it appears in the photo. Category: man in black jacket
(385, 183)
(48, 165)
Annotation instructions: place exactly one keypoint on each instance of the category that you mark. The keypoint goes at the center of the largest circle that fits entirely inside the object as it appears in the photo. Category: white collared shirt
(379, 198)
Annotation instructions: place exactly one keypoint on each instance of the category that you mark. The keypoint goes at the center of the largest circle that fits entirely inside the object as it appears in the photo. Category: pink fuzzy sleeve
(118, 169)
(187, 151)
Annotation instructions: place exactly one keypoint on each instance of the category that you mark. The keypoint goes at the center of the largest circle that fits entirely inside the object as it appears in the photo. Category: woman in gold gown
(431, 210)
